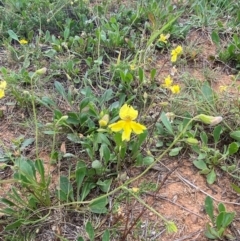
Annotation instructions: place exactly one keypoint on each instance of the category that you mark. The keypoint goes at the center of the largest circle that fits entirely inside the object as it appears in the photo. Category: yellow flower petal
(2, 94)
(118, 126)
(127, 130)
(3, 85)
(174, 58)
(128, 113)
(137, 128)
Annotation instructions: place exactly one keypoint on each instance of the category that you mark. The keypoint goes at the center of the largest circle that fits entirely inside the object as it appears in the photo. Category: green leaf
(235, 135)
(141, 75)
(40, 168)
(90, 231)
(148, 160)
(107, 95)
(232, 148)
(207, 92)
(219, 220)
(14, 225)
(105, 185)
(87, 186)
(96, 164)
(211, 177)
(205, 171)
(104, 153)
(153, 74)
(60, 89)
(13, 35)
(200, 164)
(215, 38)
(209, 208)
(80, 239)
(26, 143)
(228, 218)
(204, 138)
(106, 236)
(66, 189)
(166, 123)
(99, 205)
(235, 188)
(175, 151)
(216, 133)
(221, 208)
(80, 173)
(66, 33)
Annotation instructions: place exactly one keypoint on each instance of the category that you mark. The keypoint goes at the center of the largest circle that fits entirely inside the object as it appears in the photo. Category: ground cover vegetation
(99, 99)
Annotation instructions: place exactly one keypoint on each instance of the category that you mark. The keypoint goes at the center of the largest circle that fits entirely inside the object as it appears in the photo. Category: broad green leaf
(106, 236)
(96, 164)
(207, 92)
(86, 188)
(90, 231)
(26, 143)
(209, 207)
(40, 168)
(80, 239)
(104, 153)
(66, 33)
(211, 177)
(166, 123)
(99, 205)
(148, 160)
(153, 73)
(205, 171)
(215, 38)
(175, 151)
(216, 133)
(204, 138)
(228, 218)
(14, 225)
(13, 35)
(60, 89)
(232, 148)
(200, 164)
(235, 135)
(66, 188)
(221, 208)
(105, 185)
(80, 173)
(219, 220)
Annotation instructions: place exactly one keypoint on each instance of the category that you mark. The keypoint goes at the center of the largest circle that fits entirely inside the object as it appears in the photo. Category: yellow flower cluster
(3, 86)
(175, 53)
(168, 84)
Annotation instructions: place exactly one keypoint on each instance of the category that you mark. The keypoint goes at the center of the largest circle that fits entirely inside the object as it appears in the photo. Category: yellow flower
(175, 53)
(175, 89)
(127, 123)
(163, 38)
(132, 66)
(222, 88)
(135, 189)
(3, 86)
(23, 41)
(167, 82)
(104, 121)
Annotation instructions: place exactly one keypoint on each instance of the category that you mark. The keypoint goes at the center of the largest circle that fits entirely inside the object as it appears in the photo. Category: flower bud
(104, 121)
(192, 141)
(209, 120)
(41, 71)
